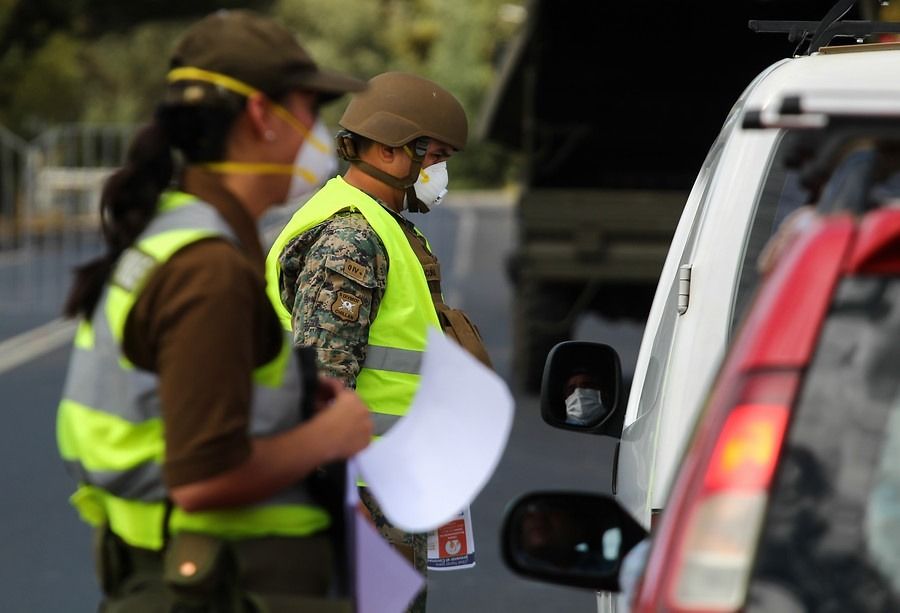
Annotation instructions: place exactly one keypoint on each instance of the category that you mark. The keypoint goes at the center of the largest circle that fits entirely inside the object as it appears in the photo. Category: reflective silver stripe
(295, 495)
(390, 358)
(383, 422)
(276, 409)
(134, 265)
(143, 482)
(98, 380)
(194, 216)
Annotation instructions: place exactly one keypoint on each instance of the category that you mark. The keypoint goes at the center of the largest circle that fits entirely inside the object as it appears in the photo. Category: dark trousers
(204, 575)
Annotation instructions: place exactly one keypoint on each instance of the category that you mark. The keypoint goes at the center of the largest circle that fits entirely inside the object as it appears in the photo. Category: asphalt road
(46, 563)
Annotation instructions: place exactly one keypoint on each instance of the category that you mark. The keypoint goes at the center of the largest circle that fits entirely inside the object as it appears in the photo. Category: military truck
(614, 106)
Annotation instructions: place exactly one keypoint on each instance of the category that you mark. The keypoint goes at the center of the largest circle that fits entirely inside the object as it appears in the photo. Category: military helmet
(398, 107)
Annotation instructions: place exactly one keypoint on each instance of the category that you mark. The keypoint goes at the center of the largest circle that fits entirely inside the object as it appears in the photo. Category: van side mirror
(569, 538)
(582, 388)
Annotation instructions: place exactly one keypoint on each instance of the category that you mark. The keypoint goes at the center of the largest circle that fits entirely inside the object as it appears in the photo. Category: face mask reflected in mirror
(584, 407)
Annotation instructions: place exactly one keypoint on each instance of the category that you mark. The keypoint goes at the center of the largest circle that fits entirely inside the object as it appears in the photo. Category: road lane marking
(33, 344)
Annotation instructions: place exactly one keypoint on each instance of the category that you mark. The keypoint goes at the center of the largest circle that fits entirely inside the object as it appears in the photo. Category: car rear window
(831, 537)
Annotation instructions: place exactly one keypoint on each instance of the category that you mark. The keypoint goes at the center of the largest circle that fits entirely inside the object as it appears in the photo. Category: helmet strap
(347, 151)
(399, 183)
(417, 155)
(413, 204)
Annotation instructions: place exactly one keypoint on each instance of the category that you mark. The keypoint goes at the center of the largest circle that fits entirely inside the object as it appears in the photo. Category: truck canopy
(630, 94)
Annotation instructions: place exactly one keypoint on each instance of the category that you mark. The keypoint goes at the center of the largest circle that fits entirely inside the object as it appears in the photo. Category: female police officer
(181, 415)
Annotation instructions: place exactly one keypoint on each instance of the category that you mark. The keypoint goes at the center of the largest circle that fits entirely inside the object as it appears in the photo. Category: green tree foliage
(127, 72)
(454, 42)
(27, 23)
(103, 61)
(49, 88)
(67, 60)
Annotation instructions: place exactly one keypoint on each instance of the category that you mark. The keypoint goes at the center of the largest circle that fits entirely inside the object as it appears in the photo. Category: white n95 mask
(316, 162)
(431, 186)
(584, 407)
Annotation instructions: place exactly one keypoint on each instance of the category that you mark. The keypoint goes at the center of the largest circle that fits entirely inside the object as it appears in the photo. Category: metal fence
(49, 209)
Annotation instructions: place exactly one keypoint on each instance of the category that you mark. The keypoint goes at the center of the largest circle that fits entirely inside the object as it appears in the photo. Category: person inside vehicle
(585, 405)
(557, 539)
(882, 161)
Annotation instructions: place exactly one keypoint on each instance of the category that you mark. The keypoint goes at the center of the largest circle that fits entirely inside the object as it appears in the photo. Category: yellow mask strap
(189, 73)
(259, 168)
(416, 161)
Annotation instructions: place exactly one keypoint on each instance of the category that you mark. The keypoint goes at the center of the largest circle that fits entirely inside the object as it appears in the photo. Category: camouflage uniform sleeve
(334, 275)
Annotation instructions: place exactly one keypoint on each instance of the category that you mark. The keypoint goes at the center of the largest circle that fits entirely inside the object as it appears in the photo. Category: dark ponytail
(127, 205)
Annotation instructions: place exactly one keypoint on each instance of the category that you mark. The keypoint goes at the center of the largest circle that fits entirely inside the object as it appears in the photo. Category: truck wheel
(542, 319)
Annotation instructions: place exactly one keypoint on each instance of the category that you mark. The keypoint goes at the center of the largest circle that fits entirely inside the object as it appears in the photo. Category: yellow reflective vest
(389, 376)
(109, 426)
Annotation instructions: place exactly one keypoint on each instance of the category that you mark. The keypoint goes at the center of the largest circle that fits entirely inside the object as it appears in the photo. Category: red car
(788, 495)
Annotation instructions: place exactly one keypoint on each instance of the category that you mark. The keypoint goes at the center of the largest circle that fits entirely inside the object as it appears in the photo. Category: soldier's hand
(347, 423)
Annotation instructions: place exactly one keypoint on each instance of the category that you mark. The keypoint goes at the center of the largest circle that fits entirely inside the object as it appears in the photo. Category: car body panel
(679, 354)
(781, 334)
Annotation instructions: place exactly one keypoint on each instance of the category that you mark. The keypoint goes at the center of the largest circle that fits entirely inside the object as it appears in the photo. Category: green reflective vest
(389, 377)
(109, 426)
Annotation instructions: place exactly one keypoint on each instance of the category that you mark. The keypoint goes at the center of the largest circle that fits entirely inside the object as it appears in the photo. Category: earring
(269, 135)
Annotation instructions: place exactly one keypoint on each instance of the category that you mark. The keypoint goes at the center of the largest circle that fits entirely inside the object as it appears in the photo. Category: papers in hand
(433, 463)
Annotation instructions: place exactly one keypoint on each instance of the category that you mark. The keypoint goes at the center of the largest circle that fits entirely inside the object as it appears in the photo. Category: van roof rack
(818, 34)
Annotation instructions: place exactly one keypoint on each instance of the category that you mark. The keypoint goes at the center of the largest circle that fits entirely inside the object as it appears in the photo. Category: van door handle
(684, 288)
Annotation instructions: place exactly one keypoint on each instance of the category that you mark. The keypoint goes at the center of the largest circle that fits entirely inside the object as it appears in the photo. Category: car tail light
(722, 527)
(705, 547)
(714, 517)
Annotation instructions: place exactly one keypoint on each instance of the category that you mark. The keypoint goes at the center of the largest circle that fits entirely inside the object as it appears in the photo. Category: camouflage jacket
(330, 310)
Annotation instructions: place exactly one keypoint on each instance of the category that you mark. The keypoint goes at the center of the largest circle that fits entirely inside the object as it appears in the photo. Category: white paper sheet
(384, 581)
(433, 463)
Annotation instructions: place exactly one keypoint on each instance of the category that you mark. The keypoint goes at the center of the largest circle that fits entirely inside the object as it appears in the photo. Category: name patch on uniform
(346, 306)
(355, 271)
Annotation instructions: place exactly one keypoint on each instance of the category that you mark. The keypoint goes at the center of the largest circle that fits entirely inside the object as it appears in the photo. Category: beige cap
(259, 52)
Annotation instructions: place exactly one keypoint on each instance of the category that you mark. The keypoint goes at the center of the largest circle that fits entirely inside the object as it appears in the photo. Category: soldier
(354, 278)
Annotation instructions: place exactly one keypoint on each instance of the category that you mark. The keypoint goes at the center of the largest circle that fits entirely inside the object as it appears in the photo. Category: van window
(831, 537)
(781, 194)
(863, 175)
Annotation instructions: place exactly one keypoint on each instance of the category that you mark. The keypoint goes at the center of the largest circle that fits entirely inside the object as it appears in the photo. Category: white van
(740, 197)
(742, 193)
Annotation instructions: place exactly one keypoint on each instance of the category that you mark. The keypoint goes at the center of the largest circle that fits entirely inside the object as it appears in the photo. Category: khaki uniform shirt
(203, 323)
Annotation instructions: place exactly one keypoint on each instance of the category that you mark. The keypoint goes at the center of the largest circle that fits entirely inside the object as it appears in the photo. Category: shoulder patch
(346, 306)
(356, 271)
